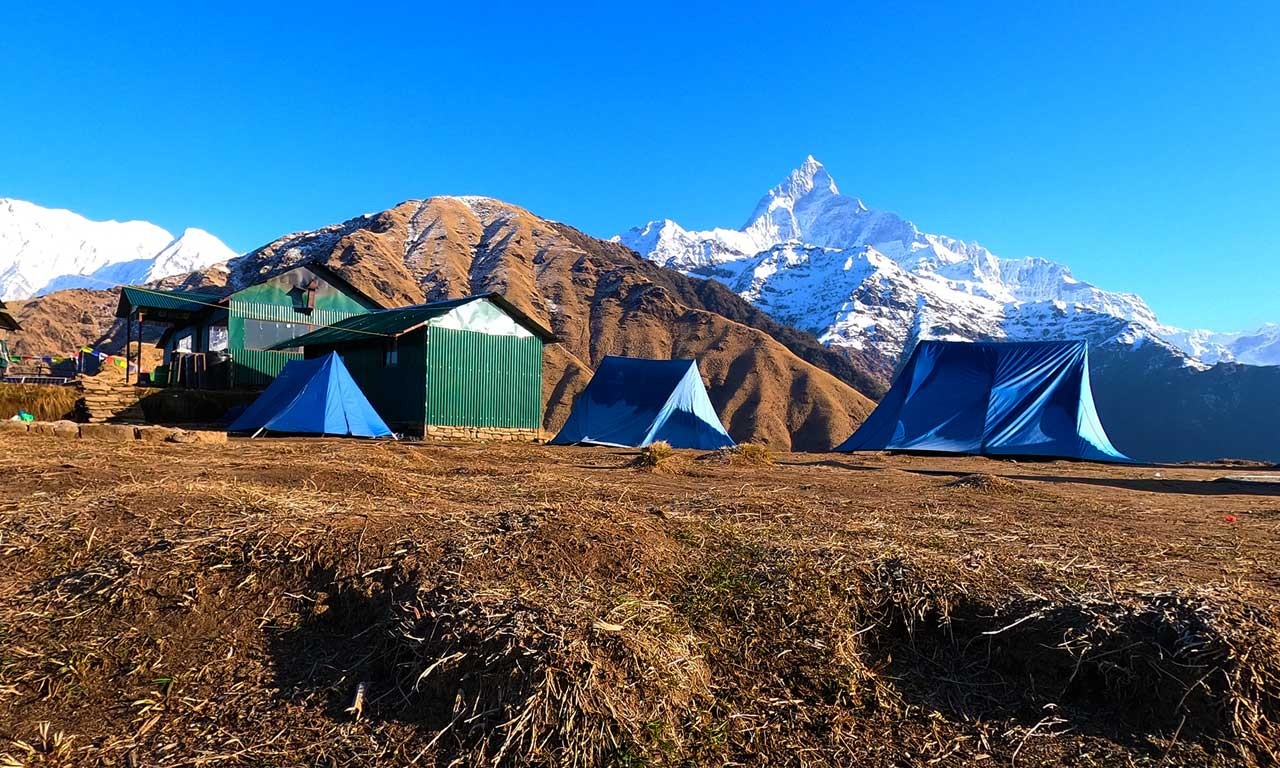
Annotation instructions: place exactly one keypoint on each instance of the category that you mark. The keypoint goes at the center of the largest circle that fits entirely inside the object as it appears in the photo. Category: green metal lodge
(462, 368)
(225, 340)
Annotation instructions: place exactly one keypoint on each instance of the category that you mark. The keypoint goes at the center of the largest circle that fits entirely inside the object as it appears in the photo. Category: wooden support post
(128, 342)
(138, 378)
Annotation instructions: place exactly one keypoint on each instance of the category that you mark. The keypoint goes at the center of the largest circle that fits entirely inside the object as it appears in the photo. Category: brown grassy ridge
(769, 383)
(45, 403)
(326, 602)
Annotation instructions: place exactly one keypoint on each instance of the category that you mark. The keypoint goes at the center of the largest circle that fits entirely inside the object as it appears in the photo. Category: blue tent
(998, 399)
(313, 397)
(633, 402)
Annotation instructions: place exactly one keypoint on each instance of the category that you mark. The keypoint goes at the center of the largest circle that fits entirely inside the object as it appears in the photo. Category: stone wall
(112, 433)
(104, 399)
(146, 433)
(488, 434)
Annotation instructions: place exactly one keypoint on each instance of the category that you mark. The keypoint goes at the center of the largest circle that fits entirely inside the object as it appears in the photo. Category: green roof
(133, 298)
(397, 322)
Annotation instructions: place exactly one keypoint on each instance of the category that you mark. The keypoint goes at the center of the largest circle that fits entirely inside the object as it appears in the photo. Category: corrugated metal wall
(257, 367)
(475, 379)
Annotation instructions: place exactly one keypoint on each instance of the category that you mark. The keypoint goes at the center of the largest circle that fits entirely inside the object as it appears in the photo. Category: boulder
(152, 434)
(56, 428)
(197, 436)
(108, 433)
(209, 436)
(13, 426)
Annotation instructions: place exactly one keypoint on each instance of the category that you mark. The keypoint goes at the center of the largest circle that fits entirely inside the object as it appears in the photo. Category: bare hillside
(770, 383)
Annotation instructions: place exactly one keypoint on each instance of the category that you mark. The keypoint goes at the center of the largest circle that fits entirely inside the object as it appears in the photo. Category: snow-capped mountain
(46, 249)
(1260, 347)
(857, 277)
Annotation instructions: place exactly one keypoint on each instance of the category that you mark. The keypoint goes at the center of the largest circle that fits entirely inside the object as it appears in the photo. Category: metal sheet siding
(257, 367)
(481, 380)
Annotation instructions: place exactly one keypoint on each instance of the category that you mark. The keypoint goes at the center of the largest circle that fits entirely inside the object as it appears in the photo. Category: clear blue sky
(1137, 142)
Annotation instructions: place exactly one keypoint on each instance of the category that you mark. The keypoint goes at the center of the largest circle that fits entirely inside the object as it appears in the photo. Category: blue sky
(1137, 142)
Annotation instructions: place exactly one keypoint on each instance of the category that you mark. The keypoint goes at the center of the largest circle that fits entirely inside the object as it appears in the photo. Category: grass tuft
(741, 455)
(752, 454)
(985, 483)
(659, 456)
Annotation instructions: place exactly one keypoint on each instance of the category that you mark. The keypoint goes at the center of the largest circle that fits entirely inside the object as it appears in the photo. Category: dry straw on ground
(334, 603)
(44, 403)
(743, 454)
(985, 483)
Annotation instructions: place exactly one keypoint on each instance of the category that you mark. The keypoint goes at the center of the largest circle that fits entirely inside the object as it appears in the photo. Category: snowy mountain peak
(805, 179)
(859, 277)
(796, 209)
(49, 249)
(194, 249)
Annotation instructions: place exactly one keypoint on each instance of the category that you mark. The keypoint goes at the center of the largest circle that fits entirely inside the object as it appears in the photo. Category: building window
(391, 353)
(260, 334)
(217, 338)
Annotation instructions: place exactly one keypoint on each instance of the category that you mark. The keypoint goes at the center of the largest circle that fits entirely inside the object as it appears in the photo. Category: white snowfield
(854, 276)
(46, 249)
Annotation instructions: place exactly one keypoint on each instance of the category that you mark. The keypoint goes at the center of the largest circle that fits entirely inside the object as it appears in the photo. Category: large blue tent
(633, 402)
(313, 397)
(997, 399)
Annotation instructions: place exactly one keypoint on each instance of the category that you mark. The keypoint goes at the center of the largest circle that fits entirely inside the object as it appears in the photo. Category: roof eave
(196, 303)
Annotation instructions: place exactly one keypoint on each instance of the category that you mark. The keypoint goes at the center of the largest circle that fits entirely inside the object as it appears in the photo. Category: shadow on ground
(1222, 486)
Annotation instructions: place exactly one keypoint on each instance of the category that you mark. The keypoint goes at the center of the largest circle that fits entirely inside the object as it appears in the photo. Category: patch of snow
(855, 276)
(47, 249)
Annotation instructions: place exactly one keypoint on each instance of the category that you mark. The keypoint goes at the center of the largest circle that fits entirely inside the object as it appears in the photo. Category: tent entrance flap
(633, 402)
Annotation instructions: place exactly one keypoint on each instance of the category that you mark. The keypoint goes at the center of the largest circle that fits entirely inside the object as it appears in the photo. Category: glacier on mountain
(45, 249)
(855, 276)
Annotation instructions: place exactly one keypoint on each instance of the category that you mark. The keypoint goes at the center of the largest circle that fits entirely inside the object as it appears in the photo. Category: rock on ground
(112, 433)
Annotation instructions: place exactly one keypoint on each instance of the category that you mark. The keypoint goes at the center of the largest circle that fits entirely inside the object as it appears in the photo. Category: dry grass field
(332, 603)
(45, 403)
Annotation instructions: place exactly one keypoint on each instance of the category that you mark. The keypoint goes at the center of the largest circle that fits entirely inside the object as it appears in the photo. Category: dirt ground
(328, 603)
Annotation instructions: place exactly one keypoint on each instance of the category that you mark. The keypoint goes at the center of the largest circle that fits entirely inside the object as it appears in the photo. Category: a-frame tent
(632, 402)
(313, 397)
(990, 398)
